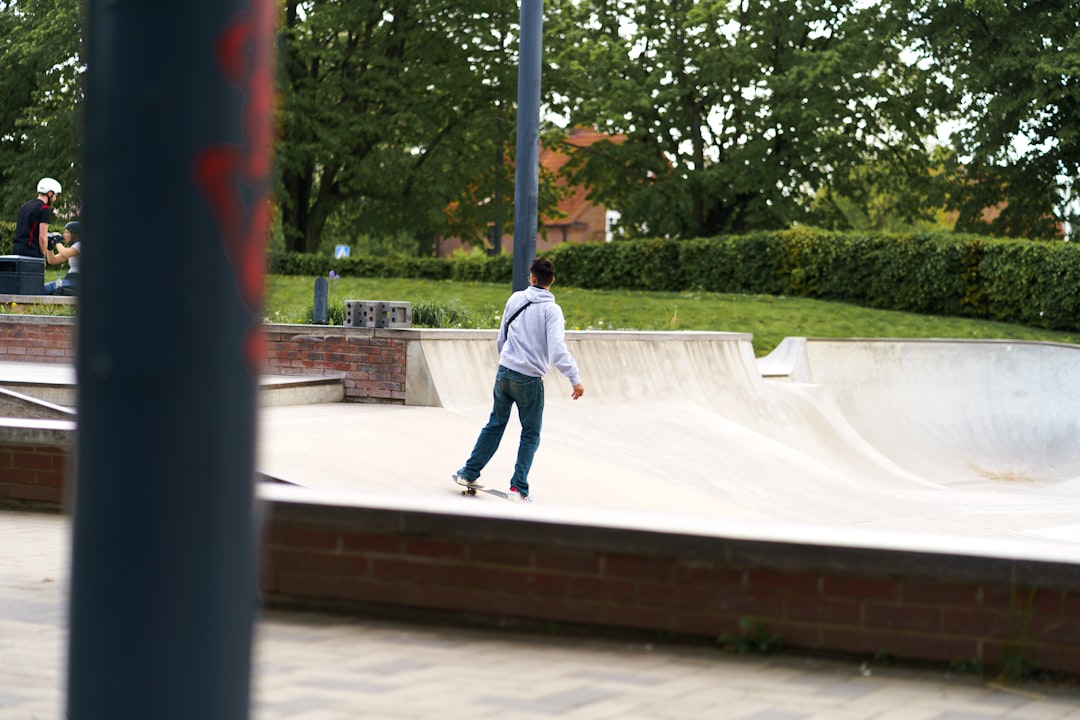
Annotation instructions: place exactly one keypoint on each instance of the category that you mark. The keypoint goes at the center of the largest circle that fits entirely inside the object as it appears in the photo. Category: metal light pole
(528, 139)
(163, 588)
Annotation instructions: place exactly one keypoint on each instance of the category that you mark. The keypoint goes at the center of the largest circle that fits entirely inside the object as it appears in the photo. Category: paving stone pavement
(322, 667)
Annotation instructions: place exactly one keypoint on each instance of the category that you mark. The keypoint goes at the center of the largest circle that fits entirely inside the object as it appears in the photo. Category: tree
(40, 100)
(736, 113)
(393, 111)
(1016, 68)
(886, 197)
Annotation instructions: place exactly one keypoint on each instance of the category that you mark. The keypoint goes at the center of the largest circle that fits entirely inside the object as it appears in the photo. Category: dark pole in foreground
(528, 139)
(163, 588)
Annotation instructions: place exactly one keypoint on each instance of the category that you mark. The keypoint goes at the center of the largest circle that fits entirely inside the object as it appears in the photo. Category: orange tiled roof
(575, 204)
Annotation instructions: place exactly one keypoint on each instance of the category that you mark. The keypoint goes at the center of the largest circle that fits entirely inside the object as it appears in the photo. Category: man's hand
(579, 390)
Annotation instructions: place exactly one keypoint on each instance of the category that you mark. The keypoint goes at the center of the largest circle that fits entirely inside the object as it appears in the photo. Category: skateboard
(471, 489)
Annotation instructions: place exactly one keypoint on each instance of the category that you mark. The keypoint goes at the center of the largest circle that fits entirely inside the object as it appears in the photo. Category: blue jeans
(528, 393)
(67, 285)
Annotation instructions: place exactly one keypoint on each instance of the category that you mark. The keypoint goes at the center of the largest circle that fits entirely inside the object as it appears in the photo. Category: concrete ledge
(29, 431)
(20, 300)
(325, 331)
(279, 390)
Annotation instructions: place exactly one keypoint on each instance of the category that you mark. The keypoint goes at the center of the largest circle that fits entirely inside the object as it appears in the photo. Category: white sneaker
(515, 496)
(462, 480)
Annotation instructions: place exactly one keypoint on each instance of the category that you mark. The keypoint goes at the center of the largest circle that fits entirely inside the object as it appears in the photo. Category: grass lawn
(770, 319)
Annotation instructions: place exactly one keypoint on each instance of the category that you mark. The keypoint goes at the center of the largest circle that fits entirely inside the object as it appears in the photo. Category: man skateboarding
(531, 339)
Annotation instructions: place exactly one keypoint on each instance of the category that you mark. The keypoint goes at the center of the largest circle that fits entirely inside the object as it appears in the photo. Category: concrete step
(279, 390)
(34, 388)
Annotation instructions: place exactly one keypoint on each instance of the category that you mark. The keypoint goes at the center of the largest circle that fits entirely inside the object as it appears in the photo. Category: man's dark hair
(544, 271)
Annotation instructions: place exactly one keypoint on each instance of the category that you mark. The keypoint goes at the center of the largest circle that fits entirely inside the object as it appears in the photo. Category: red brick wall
(33, 475)
(30, 338)
(371, 361)
(905, 605)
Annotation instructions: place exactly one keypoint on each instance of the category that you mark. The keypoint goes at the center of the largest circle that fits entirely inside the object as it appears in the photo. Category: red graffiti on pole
(235, 176)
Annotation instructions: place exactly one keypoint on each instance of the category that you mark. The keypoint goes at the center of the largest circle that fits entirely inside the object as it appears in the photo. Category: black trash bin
(22, 275)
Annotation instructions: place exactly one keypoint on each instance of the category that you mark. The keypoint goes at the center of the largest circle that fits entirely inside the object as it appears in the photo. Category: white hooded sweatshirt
(535, 339)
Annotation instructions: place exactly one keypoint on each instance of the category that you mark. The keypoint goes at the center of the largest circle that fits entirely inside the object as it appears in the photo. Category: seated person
(69, 252)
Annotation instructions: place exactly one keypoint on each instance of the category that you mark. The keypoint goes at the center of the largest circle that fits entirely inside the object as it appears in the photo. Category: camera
(55, 238)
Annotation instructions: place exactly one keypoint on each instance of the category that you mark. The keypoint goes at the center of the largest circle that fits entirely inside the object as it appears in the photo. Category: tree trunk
(296, 210)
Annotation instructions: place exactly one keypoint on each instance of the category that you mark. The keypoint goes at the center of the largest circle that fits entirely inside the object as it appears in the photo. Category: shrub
(1035, 283)
(450, 314)
(7, 237)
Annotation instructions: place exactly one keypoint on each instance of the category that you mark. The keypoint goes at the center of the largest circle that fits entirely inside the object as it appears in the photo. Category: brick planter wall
(868, 601)
(35, 456)
(33, 338)
(371, 361)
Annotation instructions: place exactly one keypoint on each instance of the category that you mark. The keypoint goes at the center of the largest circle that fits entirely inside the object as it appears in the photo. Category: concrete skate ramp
(17, 405)
(968, 438)
(958, 412)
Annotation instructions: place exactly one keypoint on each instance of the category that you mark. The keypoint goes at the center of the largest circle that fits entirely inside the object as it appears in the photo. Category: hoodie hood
(536, 294)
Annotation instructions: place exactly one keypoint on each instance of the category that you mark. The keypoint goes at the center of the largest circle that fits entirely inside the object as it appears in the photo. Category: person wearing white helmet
(32, 227)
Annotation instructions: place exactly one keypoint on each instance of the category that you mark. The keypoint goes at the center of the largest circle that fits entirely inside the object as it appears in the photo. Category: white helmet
(47, 185)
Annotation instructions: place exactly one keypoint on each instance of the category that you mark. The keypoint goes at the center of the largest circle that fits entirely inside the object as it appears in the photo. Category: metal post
(322, 291)
(177, 141)
(528, 139)
(497, 230)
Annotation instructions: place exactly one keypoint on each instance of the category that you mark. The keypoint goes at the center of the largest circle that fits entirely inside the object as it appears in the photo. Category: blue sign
(342, 251)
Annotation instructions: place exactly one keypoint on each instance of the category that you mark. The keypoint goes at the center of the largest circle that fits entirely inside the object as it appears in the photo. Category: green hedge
(7, 237)
(464, 268)
(1023, 281)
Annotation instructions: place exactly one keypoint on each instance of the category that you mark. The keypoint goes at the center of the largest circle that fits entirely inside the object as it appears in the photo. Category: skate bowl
(955, 437)
(879, 497)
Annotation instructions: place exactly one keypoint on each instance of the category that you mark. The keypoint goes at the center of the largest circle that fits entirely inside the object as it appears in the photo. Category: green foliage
(770, 318)
(7, 237)
(399, 244)
(470, 267)
(753, 636)
(292, 263)
(731, 113)
(1018, 281)
(40, 99)
(444, 314)
(336, 313)
(974, 666)
(397, 119)
(1017, 666)
(1033, 283)
(894, 193)
(45, 309)
(1014, 68)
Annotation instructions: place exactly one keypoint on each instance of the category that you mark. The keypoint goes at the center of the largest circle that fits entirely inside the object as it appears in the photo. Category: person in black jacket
(32, 227)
